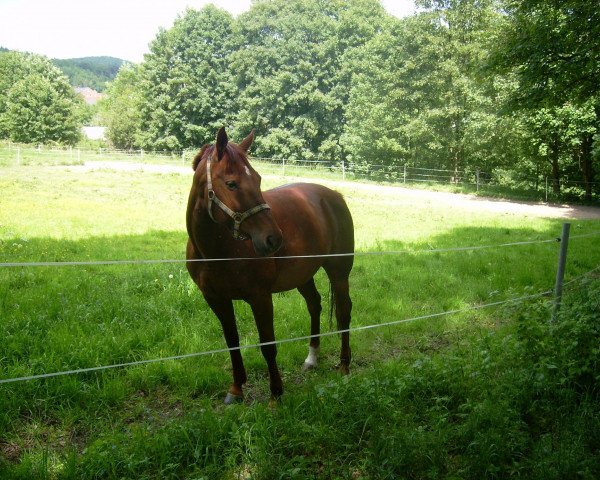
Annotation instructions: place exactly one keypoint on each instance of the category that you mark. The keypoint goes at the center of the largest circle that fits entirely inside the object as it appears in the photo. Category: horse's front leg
(262, 308)
(223, 309)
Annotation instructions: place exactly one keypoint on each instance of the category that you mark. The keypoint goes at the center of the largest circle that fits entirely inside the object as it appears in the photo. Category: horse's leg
(262, 308)
(224, 311)
(313, 302)
(343, 309)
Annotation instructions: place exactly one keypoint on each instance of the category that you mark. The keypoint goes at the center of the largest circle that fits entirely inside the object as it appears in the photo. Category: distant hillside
(92, 72)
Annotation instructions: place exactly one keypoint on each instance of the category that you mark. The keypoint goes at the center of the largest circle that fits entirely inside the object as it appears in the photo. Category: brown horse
(228, 216)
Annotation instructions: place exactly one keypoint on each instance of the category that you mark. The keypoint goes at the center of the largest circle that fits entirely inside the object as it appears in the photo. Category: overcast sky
(117, 28)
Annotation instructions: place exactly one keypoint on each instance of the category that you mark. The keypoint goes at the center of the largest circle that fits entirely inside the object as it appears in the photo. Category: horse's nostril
(273, 242)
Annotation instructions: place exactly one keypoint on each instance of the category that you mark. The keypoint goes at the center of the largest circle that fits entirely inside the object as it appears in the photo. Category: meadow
(485, 393)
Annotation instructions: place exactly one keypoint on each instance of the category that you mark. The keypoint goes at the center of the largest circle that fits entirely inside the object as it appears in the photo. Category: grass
(425, 399)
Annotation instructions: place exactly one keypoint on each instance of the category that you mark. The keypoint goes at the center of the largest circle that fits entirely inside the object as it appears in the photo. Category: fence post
(141, 152)
(404, 173)
(78, 155)
(546, 189)
(18, 156)
(343, 170)
(477, 179)
(283, 163)
(560, 272)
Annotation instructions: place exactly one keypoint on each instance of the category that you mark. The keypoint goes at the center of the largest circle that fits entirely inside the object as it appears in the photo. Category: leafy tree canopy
(37, 104)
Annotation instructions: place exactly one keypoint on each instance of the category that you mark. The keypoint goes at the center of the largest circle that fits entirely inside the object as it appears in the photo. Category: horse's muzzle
(268, 244)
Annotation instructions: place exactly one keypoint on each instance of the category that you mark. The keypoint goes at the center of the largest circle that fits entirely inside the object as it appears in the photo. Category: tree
(120, 110)
(418, 97)
(186, 85)
(37, 104)
(553, 48)
(294, 69)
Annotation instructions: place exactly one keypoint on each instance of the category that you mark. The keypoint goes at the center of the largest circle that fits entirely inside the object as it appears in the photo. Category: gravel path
(458, 200)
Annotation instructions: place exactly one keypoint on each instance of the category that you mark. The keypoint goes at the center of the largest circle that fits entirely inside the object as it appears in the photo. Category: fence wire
(276, 342)
(290, 257)
(295, 339)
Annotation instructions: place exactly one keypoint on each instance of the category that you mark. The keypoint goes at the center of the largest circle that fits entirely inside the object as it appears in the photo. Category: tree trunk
(554, 156)
(586, 165)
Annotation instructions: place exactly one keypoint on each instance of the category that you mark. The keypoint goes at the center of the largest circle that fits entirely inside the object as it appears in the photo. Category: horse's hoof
(274, 403)
(232, 399)
(306, 367)
(344, 369)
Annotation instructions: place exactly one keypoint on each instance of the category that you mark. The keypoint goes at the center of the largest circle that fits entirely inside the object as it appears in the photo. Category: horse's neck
(206, 236)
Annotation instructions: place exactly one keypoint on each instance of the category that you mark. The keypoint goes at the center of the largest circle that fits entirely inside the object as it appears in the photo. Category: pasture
(447, 397)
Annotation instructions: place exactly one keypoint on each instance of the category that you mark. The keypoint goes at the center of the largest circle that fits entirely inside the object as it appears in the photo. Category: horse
(281, 237)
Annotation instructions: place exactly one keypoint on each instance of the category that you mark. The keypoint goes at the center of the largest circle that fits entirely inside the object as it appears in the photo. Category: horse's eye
(231, 185)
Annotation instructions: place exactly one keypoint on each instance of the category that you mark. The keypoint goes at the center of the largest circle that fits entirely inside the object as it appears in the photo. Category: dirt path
(466, 202)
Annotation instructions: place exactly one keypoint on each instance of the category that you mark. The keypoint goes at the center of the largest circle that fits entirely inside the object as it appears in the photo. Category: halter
(237, 217)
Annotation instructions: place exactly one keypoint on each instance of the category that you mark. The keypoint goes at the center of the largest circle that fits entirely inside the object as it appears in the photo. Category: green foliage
(553, 50)
(294, 71)
(186, 87)
(93, 72)
(120, 110)
(462, 86)
(554, 44)
(418, 98)
(37, 104)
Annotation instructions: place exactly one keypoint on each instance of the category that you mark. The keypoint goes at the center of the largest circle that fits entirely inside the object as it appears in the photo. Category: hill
(92, 72)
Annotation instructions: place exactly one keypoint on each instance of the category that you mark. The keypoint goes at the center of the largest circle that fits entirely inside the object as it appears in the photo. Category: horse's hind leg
(313, 302)
(343, 308)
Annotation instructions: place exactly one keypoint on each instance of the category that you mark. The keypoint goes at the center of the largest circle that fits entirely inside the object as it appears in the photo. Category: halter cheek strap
(237, 217)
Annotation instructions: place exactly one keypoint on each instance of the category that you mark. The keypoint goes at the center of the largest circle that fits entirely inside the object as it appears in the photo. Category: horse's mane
(233, 151)
(199, 155)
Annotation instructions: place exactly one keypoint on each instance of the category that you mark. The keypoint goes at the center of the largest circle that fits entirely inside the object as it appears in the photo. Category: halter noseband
(237, 217)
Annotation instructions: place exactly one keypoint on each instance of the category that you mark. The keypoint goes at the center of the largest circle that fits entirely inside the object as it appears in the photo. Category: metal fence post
(477, 173)
(546, 189)
(283, 164)
(560, 272)
(343, 170)
(405, 173)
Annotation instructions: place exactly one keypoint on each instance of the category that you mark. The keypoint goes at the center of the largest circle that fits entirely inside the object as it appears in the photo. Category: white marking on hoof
(312, 360)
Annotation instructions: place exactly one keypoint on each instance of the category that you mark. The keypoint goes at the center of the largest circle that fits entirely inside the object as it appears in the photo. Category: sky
(116, 28)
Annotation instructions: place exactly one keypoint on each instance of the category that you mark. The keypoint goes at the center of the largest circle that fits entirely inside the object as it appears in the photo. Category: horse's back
(315, 212)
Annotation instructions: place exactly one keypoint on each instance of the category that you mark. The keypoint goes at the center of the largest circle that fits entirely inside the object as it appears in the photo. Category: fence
(557, 290)
(497, 182)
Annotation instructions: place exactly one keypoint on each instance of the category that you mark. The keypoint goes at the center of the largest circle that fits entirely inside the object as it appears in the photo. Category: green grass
(416, 404)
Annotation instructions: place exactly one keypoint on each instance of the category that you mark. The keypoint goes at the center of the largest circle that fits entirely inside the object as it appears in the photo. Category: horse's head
(229, 189)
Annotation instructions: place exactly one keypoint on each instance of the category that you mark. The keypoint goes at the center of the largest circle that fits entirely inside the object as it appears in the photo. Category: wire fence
(276, 342)
(301, 338)
(539, 186)
(282, 258)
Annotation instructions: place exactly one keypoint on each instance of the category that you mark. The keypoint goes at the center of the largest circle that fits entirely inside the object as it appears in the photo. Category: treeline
(507, 87)
(92, 72)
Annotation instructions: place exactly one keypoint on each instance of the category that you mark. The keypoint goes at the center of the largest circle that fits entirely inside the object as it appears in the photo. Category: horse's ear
(222, 142)
(247, 142)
